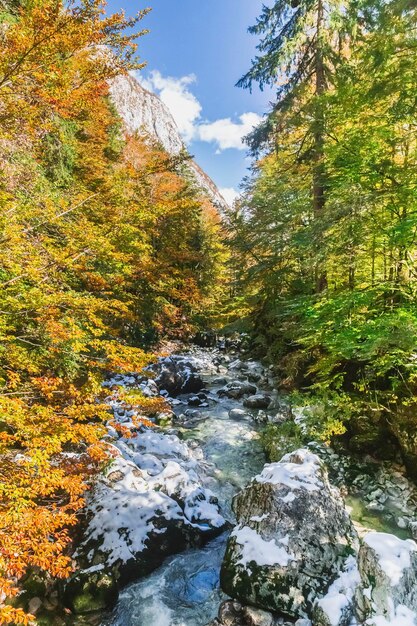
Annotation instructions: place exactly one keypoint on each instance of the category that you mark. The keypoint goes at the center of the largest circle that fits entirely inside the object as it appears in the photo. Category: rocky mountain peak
(143, 111)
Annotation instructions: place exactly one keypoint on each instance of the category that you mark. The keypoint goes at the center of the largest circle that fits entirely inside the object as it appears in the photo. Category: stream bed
(185, 590)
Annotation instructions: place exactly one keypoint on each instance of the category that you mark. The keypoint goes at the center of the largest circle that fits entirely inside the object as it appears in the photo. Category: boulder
(150, 503)
(377, 588)
(236, 389)
(257, 401)
(232, 613)
(292, 539)
(237, 414)
(177, 374)
(91, 591)
(388, 570)
(337, 607)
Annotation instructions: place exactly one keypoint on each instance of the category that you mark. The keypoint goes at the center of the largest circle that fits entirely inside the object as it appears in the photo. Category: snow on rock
(151, 502)
(177, 374)
(175, 469)
(336, 607)
(153, 488)
(388, 569)
(200, 506)
(255, 549)
(259, 518)
(158, 444)
(400, 616)
(295, 551)
(292, 539)
(125, 516)
(393, 554)
(297, 470)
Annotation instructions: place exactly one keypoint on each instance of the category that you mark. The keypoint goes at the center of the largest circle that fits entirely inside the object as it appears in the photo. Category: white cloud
(229, 194)
(186, 109)
(175, 94)
(226, 133)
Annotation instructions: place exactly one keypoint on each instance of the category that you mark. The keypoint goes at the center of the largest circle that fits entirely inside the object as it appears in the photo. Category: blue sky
(196, 51)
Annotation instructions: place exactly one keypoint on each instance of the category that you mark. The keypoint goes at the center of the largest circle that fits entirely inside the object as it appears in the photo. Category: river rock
(388, 570)
(150, 503)
(232, 613)
(193, 414)
(220, 381)
(237, 414)
(34, 605)
(236, 389)
(198, 400)
(292, 539)
(257, 401)
(237, 364)
(177, 374)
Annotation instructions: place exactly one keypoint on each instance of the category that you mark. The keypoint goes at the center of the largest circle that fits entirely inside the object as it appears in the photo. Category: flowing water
(185, 591)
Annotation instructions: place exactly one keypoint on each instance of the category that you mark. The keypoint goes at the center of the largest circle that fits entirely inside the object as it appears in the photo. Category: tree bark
(319, 199)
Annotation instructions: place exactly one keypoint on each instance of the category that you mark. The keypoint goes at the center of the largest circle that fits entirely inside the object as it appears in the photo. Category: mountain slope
(142, 110)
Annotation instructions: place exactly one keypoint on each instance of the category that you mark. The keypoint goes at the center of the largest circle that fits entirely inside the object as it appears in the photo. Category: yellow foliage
(103, 246)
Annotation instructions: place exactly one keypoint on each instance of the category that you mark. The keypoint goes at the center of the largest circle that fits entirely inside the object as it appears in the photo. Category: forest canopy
(325, 233)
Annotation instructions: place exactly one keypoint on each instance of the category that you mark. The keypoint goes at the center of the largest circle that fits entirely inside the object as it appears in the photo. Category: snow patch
(296, 476)
(259, 518)
(393, 553)
(341, 592)
(401, 616)
(290, 497)
(255, 549)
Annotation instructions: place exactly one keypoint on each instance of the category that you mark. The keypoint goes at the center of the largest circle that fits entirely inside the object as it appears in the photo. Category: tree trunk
(318, 167)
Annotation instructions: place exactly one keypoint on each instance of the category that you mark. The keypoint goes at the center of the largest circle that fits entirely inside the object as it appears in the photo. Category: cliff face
(143, 111)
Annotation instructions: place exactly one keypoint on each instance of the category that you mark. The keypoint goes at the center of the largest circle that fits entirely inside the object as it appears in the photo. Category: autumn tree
(102, 248)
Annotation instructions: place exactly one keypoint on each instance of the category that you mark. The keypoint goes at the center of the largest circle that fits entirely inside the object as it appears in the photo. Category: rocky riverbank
(292, 550)
(296, 552)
